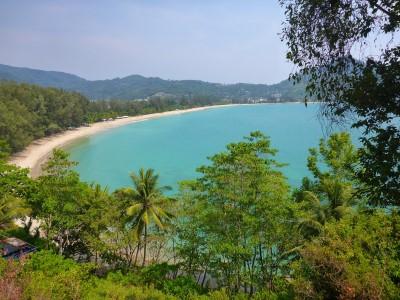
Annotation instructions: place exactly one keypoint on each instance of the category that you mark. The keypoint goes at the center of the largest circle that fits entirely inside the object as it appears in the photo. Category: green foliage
(156, 274)
(43, 276)
(52, 264)
(338, 157)
(104, 109)
(147, 206)
(53, 277)
(322, 38)
(104, 289)
(15, 189)
(73, 214)
(4, 150)
(237, 218)
(49, 276)
(236, 228)
(355, 258)
(182, 287)
(164, 277)
(29, 112)
(11, 208)
(139, 87)
(15, 182)
(332, 193)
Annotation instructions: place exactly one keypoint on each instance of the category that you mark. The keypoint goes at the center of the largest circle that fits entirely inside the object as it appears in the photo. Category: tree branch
(384, 10)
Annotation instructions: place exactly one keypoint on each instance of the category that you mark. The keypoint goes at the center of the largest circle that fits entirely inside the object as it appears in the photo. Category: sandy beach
(40, 150)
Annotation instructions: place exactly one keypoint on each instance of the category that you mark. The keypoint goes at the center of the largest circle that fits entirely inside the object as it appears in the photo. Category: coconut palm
(148, 205)
(332, 193)
(337, 202)
(315, 215)
(340, 197)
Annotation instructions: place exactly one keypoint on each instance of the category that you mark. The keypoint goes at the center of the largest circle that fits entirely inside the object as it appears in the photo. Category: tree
(72, 213)
(29, 112)
(96, 216)
(147, 205)
(237, 221)
(15, 181)
(333, 191)
(356, 257)
(324, 38)
(314, 216)
(16, 188)
(337, 184)
(11, 208)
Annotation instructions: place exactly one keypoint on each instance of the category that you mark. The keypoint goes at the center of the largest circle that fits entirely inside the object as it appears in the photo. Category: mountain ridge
(136, 86)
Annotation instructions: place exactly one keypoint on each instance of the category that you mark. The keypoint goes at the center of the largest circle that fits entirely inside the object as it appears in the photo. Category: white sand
(39, 151)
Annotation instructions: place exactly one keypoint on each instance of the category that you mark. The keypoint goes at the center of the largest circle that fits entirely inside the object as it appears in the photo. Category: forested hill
(29, 112)
(139, 87)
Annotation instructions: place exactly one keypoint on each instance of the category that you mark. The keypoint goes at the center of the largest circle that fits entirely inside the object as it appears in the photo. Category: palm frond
(145, 217)
(156, 218)
(134, 209)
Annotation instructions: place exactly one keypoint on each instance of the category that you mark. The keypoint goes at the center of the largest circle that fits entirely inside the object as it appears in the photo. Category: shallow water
(176, 145)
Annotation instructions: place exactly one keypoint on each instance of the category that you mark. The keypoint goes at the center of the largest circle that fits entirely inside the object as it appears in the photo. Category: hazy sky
(214, 40)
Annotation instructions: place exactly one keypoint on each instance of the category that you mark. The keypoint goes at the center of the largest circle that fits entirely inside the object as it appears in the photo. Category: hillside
(139, 87)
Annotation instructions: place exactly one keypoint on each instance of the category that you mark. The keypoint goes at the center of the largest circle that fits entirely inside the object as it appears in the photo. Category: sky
(224, 41)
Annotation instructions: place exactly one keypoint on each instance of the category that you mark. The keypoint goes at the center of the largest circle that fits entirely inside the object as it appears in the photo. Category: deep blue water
(176, 145)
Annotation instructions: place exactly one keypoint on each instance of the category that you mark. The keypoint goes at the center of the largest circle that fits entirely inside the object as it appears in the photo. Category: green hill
(139, 87)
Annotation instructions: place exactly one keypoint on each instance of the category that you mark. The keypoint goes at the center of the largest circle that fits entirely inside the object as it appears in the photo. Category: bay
(176, 145)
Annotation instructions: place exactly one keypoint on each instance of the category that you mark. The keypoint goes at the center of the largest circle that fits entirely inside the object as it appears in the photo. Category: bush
(182, 287)
(107, 289)
(156, 274)
(356, 258)
(162, 277)
(10, 284)
(49, 276)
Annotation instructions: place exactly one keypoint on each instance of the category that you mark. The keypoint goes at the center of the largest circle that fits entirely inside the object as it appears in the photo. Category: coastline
(38, 152)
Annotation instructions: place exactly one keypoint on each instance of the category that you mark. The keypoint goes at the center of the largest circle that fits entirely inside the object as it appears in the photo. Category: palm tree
(148, 205)
(339, 195)
(338, 202)
(313, 220)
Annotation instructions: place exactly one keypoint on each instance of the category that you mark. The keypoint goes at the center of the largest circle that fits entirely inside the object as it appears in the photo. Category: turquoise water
(176, 145)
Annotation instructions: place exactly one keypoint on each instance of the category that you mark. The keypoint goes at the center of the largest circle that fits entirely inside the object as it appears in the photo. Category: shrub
(355, 258)
(107, 289)
(182, 287)
(10, 284)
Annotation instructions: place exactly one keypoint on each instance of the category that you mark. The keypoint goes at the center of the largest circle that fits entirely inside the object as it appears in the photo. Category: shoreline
(39, 151)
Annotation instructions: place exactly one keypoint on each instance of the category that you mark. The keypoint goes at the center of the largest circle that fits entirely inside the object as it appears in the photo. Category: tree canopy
(326, 40)
(30, 112)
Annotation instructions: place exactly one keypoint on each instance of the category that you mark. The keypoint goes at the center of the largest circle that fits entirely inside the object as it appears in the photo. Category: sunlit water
(176, 145)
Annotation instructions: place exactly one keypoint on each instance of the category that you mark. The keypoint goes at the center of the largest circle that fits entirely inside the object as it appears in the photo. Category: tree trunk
(60, 245)
(204, 277)
(137, 253)
(145, 245)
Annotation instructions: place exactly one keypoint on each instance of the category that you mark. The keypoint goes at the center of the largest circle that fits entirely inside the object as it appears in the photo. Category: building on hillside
(12, 247)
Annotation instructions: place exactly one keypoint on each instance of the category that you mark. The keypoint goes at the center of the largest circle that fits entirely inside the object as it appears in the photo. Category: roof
(12, 247)
(15, 242)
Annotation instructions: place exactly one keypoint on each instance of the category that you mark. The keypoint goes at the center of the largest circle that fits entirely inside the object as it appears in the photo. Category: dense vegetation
(237, 231)
(139, 87)
(324, 39)
(99, 110)
(29, 112)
